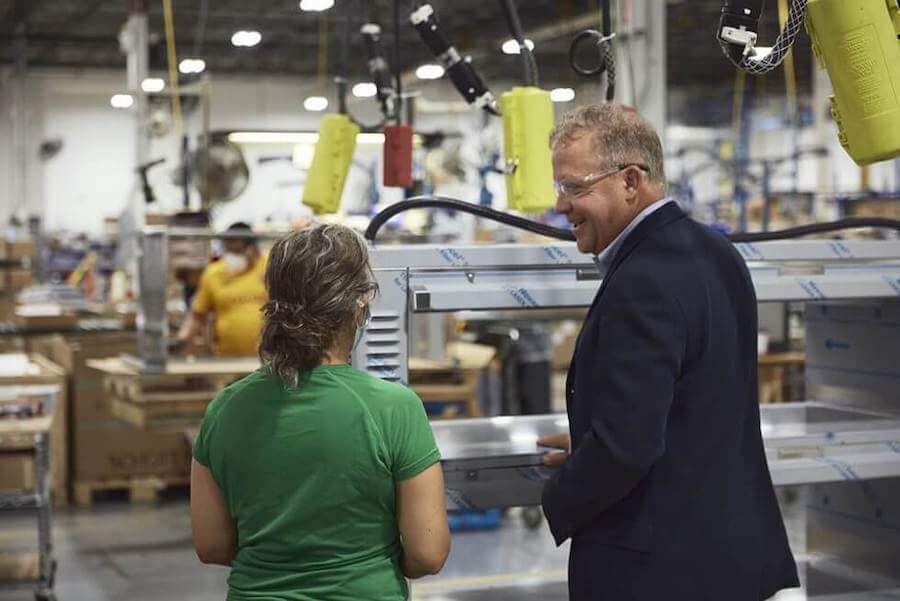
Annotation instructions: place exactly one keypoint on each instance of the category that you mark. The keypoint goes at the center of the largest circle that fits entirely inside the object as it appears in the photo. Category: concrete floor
(117, 551)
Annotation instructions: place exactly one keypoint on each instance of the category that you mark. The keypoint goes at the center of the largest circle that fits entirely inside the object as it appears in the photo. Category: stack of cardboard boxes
(106, 453)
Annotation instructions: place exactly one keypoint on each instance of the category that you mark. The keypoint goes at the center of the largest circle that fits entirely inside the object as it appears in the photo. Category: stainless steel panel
(495, 462)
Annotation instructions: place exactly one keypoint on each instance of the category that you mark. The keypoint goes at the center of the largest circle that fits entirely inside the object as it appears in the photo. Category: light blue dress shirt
(605, 258)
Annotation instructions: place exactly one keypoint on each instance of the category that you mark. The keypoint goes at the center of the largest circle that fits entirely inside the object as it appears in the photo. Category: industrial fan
(219, 171)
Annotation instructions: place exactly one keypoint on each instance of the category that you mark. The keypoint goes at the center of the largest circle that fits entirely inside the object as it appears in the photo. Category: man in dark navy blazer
(665, 491)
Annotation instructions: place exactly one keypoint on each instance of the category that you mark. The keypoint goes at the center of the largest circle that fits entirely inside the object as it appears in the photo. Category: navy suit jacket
(667, 493)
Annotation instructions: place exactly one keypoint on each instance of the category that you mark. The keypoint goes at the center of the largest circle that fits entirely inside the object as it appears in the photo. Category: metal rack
(34, 435)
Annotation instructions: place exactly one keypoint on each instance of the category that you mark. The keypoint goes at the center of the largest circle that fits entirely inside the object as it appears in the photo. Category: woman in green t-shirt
(311, 479)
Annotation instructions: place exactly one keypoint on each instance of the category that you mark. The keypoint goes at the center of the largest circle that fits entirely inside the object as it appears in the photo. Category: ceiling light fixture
(300, 137)
(562, 94)
(246, 39)
(512, 46)
(192, 65)
(152, 85)
(315, 103)
(430, 72)
(316, 5)
(364, 90)
(121, 101)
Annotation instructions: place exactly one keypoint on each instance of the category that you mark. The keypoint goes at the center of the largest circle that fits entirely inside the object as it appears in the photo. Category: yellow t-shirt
(237, 301)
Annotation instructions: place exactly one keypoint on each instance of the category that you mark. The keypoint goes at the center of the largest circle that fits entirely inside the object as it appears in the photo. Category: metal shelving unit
(33, 435)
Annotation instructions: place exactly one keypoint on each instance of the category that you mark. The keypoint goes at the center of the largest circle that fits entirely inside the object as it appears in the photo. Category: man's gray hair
(619, 136)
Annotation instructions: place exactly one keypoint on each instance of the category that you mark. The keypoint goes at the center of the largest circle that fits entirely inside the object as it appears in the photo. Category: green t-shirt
(308, 475)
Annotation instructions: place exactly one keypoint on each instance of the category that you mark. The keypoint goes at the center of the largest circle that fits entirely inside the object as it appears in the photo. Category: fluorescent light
(364, 90)
(562, 94)
(246, 39)
(121, 101)
(151, 85)
(293, 137)
(316, 5)
(430, 72)
(315, 103)
(192, 65)
(512, 46)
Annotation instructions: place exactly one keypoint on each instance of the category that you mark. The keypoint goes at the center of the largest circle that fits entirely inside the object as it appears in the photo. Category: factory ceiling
(84, 34)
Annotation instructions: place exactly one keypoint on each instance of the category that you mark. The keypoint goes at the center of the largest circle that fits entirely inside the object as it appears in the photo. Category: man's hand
(557, 441)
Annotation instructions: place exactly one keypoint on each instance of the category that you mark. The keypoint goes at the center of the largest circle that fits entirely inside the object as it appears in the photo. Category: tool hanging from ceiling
(336, 144)
(602, 41)
(460, 69)
(858, 43)
(527, 123)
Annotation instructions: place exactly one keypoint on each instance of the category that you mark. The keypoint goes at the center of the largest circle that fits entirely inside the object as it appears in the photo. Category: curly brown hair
(320, 283)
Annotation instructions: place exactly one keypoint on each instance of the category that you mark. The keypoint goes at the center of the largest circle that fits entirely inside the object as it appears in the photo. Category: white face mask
(235, 262)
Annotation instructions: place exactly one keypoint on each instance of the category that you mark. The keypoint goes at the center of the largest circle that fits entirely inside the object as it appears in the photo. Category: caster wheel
(532, 517)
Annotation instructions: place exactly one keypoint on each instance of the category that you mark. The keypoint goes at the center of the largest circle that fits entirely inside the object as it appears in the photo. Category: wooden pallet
(164, 414)
(170, 400)
(128, 382)
(140, 489)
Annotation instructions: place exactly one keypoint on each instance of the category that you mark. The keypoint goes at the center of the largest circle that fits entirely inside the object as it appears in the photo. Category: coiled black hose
(442, 202)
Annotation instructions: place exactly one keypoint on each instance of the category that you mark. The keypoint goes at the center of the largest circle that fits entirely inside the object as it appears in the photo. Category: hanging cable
(738, 35)
(398, 74)
(529, 66)
(603, 43)
(443, 202)
(200, 34)
(819, 228)
(341, 79)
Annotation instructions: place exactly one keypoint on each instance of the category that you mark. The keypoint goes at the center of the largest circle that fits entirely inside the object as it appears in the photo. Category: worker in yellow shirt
(234, 291)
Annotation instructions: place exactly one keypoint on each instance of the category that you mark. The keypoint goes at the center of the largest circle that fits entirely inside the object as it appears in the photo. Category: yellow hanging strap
(173, 68)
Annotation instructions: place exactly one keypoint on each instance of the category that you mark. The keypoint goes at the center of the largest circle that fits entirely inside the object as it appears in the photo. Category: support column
(19, 114)
(136, 46)
(648, 52)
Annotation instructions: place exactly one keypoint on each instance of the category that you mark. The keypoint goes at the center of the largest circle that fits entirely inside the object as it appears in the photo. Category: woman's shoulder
(385, 392)
(252, 384)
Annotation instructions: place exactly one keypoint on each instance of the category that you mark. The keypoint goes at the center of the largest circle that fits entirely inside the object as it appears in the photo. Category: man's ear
(632, 180)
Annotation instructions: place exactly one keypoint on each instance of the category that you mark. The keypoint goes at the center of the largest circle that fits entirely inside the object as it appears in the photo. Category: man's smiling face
(598, 209)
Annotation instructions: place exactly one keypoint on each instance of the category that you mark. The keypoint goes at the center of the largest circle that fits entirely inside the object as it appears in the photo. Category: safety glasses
(581, 186)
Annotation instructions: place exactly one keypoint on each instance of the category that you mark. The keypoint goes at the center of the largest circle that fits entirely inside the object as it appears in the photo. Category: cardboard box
(16, 472)
(103, 448)
(109, 451)
(7, 301)
(16, 278)
(31, 321)
(21, 249)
